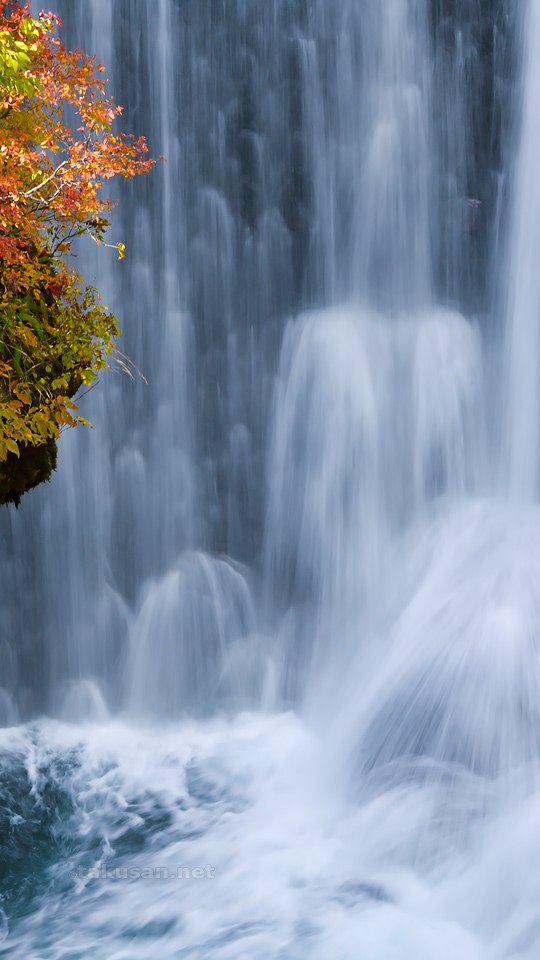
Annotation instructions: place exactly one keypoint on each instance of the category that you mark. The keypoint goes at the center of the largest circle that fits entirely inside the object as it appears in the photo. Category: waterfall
(313, 173)
(271, 631)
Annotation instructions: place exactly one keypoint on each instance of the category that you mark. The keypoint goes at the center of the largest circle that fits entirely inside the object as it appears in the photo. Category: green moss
(20, 474)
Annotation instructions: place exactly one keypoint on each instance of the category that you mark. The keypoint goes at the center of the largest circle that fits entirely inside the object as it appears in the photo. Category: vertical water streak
(521, 445)
(393, 259)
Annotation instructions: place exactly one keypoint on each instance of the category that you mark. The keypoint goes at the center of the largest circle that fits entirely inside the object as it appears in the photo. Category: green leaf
(38, 328)
(17, 361)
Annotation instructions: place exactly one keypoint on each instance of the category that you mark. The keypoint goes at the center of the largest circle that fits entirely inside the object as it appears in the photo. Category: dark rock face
(19, 474)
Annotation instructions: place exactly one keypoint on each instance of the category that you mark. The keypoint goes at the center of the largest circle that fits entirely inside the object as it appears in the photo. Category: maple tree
(55, 334)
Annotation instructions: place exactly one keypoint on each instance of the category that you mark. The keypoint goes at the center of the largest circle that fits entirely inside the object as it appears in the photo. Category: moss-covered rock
(20, 474)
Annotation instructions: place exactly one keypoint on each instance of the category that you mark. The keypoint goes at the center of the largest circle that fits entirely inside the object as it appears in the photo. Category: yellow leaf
(12, 446)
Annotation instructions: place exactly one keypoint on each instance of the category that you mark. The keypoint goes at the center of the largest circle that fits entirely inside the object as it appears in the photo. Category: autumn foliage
(58, 146)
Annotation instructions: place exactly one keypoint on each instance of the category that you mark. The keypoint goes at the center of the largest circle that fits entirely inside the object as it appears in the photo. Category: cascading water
(282, 602)
(524, 288)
